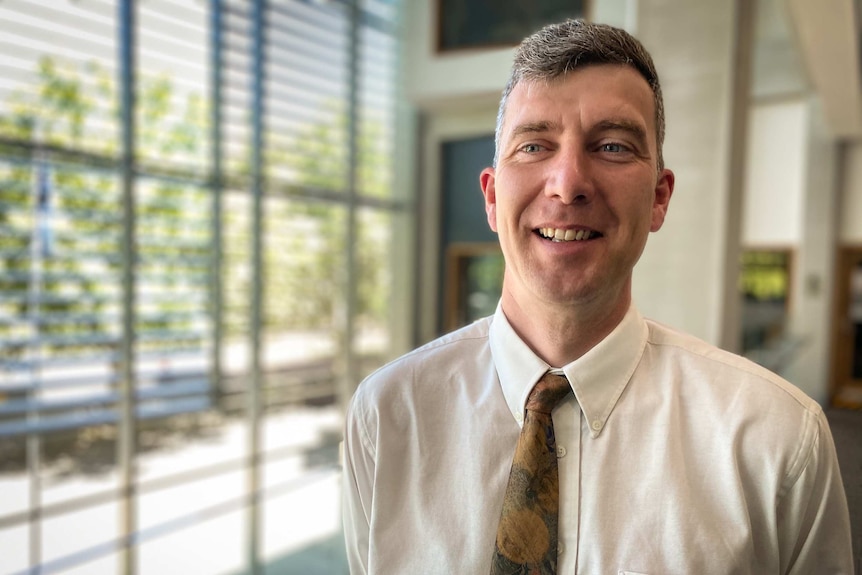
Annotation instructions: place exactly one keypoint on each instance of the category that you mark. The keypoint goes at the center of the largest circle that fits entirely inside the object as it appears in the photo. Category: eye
(531, 148)
(613, 148)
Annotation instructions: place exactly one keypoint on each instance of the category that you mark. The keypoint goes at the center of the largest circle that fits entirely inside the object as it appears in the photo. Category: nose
(570, 178)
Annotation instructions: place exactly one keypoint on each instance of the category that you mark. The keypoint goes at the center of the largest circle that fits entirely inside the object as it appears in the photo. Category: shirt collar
(598, 378)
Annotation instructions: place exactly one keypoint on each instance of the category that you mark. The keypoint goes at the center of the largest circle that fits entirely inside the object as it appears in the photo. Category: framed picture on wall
(474, 282)
(466, 24)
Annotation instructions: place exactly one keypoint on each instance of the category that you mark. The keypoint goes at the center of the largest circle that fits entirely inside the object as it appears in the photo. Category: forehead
(588, 95)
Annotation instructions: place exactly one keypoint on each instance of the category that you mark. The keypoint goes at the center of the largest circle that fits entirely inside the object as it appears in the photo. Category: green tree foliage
(765, 276)
(76, 108)
(69, 285)
(306, 263)
(43, 273)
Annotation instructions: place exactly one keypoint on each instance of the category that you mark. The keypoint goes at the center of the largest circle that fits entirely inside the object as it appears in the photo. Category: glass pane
(302, 481)
(79, 463)
(765, 284)
(59, 280)
(304, 263)
(78, 469)
(173, 79)
(191, 487)
(104, 565)
(64, 536)
(378, 64)
(207, 547)
(173, 327)
(375, 261)
(15, 543)
(482, 285)
(237, 282)
(304, 307)
(306, 95)
(58, 73)
(61, 286)
(62, 300)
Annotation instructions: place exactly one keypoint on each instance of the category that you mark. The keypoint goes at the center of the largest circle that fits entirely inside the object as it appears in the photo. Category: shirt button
(597, 425)
(561, 451)
(559, 548)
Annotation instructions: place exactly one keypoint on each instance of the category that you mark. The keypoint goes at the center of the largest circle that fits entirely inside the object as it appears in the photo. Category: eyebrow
(623, 124)
(534, 127)
(633, 128)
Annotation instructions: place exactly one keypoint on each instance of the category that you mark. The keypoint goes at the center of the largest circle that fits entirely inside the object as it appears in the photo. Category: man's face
(577, 162)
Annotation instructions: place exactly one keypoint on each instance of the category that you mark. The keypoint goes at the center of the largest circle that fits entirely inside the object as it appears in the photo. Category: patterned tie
(527, 535)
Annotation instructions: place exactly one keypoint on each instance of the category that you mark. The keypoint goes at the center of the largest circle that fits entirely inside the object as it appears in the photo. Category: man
(671, 456)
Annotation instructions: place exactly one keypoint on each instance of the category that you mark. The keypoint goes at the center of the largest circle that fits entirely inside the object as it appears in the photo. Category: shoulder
(771, 423)
(728, 372)
(436, 361)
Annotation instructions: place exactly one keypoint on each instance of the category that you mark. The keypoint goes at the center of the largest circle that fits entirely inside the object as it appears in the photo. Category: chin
(570, 296)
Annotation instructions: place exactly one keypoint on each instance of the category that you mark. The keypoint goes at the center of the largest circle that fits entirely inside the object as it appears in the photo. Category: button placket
(568, 431)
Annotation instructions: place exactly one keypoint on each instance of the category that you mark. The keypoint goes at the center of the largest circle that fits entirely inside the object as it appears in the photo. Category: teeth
(559, 235)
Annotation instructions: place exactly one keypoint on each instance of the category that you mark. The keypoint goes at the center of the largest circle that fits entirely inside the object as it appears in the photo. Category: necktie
(527, 534)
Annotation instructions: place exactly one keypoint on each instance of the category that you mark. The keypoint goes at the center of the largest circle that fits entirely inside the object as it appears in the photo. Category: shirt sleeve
(357, 490)
(813, 519)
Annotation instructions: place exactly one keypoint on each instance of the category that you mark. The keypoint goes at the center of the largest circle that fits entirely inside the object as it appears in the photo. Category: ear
(663, 192)
(487, 182)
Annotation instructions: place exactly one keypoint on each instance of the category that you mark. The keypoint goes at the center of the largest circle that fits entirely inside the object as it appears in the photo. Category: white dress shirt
(674, 458)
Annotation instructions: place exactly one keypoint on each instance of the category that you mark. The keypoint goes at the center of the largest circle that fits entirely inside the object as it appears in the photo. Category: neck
(561, 333)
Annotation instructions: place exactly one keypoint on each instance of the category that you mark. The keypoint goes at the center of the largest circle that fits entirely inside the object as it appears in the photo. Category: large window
(196, 269)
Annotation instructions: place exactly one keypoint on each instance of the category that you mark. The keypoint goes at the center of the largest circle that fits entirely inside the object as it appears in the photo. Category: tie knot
(547, 393)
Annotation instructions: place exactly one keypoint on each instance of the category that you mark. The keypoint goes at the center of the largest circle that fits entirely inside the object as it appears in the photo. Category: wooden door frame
(843, 392)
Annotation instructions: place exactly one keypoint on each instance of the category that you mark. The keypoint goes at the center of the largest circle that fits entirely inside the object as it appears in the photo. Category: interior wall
(775, 173)
(433, 79)
(680, 279)
(791, 198)
(811, 307)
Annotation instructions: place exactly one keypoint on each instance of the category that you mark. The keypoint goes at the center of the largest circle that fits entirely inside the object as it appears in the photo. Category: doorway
(468, 247)
(847, 330)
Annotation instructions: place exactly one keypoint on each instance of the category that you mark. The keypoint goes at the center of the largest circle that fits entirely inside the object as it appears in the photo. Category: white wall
(434, 80)
(775, 173)
(811, 307)
(432, 77)
(680, 278)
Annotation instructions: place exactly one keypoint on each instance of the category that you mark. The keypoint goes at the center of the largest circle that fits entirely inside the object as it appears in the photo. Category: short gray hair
(559, 48)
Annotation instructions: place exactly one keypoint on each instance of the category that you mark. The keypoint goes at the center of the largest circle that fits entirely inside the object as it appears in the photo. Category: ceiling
(827, 35)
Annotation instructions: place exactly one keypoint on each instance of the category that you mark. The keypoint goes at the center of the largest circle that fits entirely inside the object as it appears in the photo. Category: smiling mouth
(559, 235)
